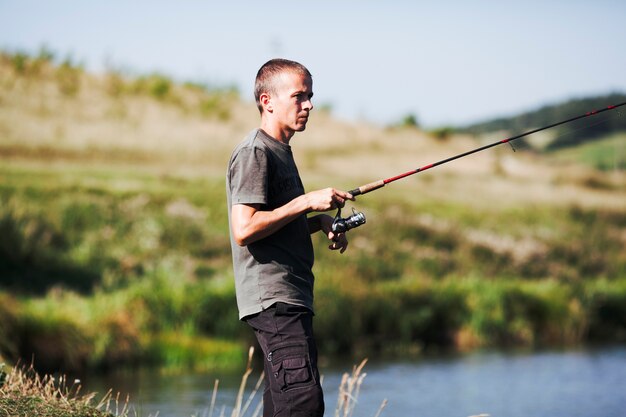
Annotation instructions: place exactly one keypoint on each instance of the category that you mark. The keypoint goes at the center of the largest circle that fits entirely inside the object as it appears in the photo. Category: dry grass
(347, 398)
(23, 392)
(39, 122)
(349, 390)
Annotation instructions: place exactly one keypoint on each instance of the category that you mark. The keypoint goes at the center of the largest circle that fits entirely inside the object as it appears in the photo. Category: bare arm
(250, 224)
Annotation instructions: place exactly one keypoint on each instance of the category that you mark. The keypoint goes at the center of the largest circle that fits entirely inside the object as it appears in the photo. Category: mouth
(301, 122)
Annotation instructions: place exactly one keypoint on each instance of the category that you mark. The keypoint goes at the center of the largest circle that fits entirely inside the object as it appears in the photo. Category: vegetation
(443, 132)
(607, 154)
(115, 249)
(119, 277)
(410, 120)
(24, 393)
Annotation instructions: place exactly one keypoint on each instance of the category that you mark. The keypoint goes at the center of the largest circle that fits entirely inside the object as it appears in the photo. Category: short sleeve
(248, 174)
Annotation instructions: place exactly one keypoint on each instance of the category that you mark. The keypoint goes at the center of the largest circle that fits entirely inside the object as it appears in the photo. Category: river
(569, 383)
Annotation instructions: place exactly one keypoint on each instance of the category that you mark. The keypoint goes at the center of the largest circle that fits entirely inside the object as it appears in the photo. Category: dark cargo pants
(292, 383)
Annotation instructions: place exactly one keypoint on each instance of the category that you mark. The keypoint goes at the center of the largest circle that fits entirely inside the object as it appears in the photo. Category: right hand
(327, 199)
(339, 241)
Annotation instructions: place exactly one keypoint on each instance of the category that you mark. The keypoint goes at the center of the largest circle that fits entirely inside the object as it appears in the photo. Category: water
(574, 383)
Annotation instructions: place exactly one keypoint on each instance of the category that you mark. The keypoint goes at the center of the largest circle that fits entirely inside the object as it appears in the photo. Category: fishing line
(577, 129)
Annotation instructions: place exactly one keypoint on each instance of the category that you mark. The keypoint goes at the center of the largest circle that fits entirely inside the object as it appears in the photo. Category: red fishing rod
(357, 219)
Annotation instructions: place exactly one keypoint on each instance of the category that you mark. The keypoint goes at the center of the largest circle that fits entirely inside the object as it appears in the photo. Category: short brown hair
(265, 78)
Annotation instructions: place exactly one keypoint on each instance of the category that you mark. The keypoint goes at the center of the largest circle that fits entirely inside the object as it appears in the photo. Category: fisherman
(271, 240)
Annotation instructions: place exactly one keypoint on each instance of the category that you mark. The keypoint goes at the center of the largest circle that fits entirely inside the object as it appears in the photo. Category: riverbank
(23, 392)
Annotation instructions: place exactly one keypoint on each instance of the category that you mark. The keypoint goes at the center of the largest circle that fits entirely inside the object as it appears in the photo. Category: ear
(266, 102)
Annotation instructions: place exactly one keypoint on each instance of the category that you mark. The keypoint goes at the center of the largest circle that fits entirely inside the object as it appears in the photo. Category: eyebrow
(300, 92)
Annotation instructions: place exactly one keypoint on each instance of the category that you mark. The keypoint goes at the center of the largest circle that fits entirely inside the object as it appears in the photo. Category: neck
(276, 132)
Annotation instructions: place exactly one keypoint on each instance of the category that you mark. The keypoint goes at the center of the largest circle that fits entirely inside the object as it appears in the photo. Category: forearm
(250, 225)
(315, 222)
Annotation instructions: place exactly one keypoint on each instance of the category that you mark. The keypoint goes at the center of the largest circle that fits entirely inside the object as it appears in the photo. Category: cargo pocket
(291, 366)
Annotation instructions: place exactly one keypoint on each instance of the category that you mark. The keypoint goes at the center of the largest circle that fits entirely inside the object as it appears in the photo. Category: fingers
(340, 242)
(337, 203)
(343, 196)
(339, 198)
(328, 199)
(338, 246)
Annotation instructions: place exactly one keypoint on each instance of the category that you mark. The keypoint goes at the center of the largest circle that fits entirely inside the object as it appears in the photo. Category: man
(271, 243)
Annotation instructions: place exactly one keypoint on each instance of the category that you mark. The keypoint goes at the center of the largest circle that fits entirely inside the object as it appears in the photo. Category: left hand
(340, 241)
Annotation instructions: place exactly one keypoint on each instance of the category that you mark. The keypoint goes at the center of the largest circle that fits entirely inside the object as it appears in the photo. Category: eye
(303, 96)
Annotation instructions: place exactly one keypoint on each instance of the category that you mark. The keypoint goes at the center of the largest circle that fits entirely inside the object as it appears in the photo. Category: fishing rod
(356, 219)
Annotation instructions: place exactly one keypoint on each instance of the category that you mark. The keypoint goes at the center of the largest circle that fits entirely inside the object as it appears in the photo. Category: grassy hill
(567, 135)
(115, 235)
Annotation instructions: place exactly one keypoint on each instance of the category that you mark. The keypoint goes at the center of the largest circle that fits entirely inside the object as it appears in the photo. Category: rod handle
(367, 188)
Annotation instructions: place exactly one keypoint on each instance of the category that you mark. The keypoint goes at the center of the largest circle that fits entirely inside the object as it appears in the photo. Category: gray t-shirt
(279, 267)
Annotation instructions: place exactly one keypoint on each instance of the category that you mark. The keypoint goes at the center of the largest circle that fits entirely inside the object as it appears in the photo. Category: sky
(445, 62)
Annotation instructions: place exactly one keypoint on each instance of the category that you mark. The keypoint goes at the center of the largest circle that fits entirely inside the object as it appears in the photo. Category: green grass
(117, 269)
(116, 264)
(605, 154)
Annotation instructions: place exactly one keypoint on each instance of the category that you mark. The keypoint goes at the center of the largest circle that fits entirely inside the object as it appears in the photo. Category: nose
(308, 105)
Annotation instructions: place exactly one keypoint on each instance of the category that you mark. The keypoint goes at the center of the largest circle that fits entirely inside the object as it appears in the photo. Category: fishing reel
(343, 225)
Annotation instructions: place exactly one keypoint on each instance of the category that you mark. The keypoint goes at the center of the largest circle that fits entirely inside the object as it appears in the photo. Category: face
(290, 105)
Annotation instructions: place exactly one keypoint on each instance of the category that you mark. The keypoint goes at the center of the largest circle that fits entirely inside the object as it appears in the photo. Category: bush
(443, 133)
(33, 256)
(9, 327)
(53, 341)
(156, 85)
(607, 310)
(68, 77)
(215, 106)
